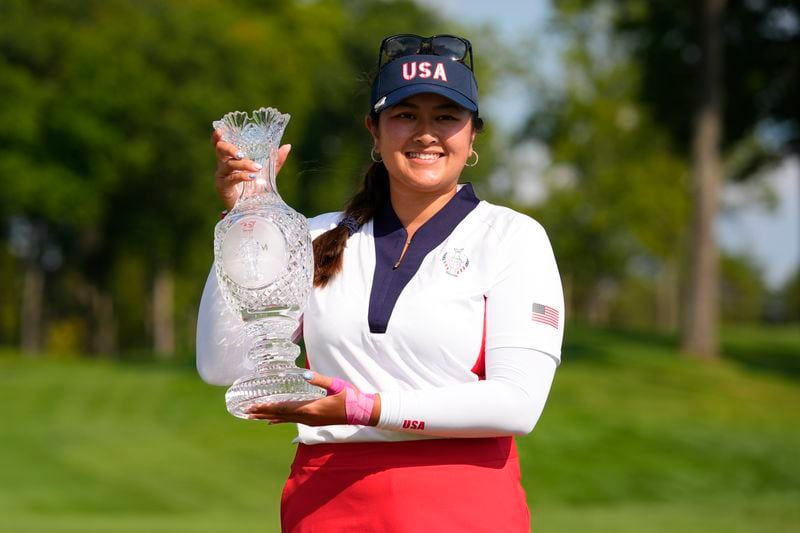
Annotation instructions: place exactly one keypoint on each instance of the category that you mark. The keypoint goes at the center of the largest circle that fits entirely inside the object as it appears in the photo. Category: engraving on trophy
(265, 267)
(254, 252)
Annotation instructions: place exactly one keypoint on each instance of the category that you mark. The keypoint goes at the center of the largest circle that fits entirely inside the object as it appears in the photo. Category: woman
(435, 324)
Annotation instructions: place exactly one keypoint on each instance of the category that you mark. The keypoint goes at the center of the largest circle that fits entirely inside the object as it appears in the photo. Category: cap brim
(398, 95)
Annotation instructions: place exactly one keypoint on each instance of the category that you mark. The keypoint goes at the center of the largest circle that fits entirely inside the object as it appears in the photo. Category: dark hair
(373, 194)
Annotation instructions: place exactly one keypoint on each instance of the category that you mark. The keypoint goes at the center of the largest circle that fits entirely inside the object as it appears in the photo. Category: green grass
(634, 439)
(773, 349)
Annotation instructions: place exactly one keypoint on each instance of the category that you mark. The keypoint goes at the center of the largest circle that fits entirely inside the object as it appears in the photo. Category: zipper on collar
(402, 254)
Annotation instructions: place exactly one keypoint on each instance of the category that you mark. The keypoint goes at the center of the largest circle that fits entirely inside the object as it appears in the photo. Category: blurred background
(658, 144)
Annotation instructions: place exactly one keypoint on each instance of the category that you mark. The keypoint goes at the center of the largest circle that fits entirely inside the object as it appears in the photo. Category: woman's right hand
(233, 168)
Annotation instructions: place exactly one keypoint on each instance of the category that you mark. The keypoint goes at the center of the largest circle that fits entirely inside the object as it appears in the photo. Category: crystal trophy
(264, 265)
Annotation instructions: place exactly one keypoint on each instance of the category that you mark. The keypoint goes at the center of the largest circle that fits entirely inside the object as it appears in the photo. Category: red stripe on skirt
(442, 485)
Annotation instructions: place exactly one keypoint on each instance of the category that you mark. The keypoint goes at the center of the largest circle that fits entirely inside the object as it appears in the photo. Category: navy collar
(464, 201)
(390, 239)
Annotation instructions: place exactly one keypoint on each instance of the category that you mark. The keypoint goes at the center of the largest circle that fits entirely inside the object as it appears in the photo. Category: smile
(423, 156)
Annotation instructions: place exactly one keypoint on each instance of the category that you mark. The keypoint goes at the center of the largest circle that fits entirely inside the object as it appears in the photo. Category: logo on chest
(455, 261)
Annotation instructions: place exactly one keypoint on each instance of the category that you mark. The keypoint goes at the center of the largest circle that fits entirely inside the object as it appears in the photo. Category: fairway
(634, 439)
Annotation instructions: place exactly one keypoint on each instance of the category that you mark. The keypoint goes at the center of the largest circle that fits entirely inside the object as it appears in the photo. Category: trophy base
(278, 383)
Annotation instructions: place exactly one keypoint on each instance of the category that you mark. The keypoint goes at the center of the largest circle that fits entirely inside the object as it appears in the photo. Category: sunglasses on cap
(407, 44)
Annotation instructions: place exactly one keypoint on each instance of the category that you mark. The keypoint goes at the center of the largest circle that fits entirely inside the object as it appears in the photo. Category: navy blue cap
(410, 75)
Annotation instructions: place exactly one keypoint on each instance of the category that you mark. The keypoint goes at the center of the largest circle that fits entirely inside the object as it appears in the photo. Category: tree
(105, 146)
(699, 335)
(742, 291)
(756, 89)
(789, 298)
(616, 204)
(677, 48)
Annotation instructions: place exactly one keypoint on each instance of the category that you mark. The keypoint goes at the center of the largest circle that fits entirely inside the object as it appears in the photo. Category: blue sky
(513, 16)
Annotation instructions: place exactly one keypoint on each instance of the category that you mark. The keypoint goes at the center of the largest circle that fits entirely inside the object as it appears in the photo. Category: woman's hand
(338, 407)
(233, 168)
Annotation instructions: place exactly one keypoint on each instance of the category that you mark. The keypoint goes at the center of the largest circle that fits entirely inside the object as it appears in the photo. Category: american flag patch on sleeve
(545, 314)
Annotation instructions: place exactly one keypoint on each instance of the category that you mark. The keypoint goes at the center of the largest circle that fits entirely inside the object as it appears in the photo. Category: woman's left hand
(330, 410)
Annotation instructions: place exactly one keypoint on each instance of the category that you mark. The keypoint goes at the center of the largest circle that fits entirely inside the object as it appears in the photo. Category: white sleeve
(525, 303)
(221, 344)
(508, 402)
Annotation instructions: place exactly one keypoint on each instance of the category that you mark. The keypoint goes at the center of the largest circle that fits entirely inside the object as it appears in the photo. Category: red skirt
(415, 486)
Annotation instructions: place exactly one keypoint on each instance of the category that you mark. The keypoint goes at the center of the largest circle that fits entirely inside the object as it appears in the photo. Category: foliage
(762, 68)
(789, 298)
(105, 144)
(742, 291)
(617, 126)
(623, 204)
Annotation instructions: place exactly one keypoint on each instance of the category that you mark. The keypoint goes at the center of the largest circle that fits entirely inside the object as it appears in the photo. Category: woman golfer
(435, 323)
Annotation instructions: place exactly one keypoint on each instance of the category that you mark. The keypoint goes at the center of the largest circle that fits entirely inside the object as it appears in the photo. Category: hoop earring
(375, 155)
(467, 164)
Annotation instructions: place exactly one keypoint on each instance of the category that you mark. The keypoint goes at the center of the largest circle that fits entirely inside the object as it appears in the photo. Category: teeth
(419, 155)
